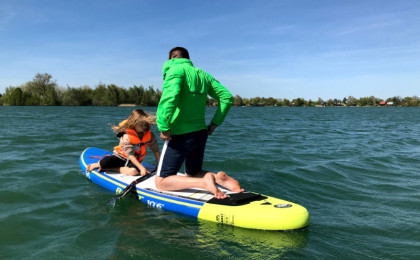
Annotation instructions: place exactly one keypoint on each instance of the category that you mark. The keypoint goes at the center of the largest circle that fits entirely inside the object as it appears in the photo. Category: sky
(272, 48)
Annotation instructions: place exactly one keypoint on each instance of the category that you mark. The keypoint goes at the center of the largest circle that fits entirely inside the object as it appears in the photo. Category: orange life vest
(140, 145)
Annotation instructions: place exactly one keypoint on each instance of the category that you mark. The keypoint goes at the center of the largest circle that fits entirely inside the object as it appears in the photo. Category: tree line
(44, 91)
(413, 101)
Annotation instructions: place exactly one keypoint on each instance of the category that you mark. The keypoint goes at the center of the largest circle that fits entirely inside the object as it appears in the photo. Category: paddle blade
(123, 192)
(130, 187)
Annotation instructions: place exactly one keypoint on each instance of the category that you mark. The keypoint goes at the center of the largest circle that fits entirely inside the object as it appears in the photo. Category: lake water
(356, 170)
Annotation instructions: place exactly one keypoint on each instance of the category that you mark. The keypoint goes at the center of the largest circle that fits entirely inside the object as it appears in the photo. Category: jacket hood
(167, 65)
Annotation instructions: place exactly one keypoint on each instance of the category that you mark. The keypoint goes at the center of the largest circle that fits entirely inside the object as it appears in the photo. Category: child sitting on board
(135, 136)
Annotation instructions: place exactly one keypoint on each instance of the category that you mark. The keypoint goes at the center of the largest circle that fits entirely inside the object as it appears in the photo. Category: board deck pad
(238, 199)
(149, 184)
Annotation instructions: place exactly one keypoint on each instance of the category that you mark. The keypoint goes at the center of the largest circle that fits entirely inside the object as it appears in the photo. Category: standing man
(181, 120)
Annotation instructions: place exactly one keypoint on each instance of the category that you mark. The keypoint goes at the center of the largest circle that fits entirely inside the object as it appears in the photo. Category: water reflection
(159, 234)
(234, 241)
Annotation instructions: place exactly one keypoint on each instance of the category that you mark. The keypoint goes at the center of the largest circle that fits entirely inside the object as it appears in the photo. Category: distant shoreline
(43, 91)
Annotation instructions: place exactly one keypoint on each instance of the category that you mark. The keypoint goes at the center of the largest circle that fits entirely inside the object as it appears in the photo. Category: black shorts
(187, 147)
(112, 162)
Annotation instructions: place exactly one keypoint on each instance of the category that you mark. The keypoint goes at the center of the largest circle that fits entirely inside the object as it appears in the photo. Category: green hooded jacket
(182, 106)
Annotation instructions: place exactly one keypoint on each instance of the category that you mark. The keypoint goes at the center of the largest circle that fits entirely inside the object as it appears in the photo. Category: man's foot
(210, 185)
(228, 182)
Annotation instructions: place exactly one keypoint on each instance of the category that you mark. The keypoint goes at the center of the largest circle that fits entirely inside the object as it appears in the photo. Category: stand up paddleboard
(247, 209)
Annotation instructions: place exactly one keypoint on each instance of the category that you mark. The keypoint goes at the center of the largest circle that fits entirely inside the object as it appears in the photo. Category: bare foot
(92, 166)
(210, 185)
(228, 182)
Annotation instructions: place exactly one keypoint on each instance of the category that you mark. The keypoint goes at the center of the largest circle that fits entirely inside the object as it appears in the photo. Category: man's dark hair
(184, 52)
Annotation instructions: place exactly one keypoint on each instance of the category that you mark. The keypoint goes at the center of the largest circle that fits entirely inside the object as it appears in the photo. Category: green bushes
(43, 91)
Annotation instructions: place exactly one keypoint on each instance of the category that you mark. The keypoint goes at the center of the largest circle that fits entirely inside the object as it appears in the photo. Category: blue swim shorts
(188, 148)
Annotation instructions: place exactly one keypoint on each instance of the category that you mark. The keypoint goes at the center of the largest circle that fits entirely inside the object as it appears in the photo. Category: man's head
(179, 52)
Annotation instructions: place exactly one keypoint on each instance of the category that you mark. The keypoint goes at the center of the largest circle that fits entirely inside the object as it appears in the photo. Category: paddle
(130, 187)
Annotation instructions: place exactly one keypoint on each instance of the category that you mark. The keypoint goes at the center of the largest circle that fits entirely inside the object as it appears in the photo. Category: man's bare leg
(176, 182)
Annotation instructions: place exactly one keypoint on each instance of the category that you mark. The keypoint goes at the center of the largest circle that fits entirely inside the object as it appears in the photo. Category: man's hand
(166, 136)
(210, 128)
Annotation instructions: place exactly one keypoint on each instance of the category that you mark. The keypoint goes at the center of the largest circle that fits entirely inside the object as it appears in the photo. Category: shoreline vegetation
(43, 91)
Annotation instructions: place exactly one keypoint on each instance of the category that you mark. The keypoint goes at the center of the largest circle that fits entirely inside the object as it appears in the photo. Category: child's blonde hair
(137, 117)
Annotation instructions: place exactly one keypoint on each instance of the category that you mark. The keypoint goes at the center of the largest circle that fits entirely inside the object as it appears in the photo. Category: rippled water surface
(356, 170)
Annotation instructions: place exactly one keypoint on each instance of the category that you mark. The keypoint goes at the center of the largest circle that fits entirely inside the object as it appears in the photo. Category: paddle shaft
(133, 184)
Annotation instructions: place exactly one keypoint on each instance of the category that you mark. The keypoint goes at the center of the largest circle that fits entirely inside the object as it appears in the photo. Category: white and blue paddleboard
(247, 209)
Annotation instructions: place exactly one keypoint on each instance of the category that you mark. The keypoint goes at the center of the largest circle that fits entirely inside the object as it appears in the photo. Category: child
(135, 136)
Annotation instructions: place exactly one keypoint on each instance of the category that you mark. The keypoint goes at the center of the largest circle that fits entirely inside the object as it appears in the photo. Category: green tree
(330, 102)
(237, 101)
(17, 97)
(112, 95)
(99, 95)
(42, 90)
(77, 96)
(136, 93)
(299, 102)
(255, 101)
(415, 101)
(352, 101)
(123, 97)
(271, 102)
(309, 103)
(51, 96)
(212, 102)
(149, 97)
(397, 100)
(157, 96)
(319, 102)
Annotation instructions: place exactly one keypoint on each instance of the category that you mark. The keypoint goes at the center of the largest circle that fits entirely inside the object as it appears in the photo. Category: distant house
(382, 103)
(390, 103)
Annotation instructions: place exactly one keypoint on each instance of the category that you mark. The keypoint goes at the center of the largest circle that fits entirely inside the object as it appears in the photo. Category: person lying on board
(181, 120)
(135, 136)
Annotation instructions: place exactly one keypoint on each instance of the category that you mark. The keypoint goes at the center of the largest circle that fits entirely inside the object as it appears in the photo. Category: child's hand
(143, 171)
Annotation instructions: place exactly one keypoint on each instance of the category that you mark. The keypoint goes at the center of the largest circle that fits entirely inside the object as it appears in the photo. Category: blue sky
(282, 49)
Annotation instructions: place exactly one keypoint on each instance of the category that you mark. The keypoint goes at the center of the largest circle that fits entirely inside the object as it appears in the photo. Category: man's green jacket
(183, 103)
